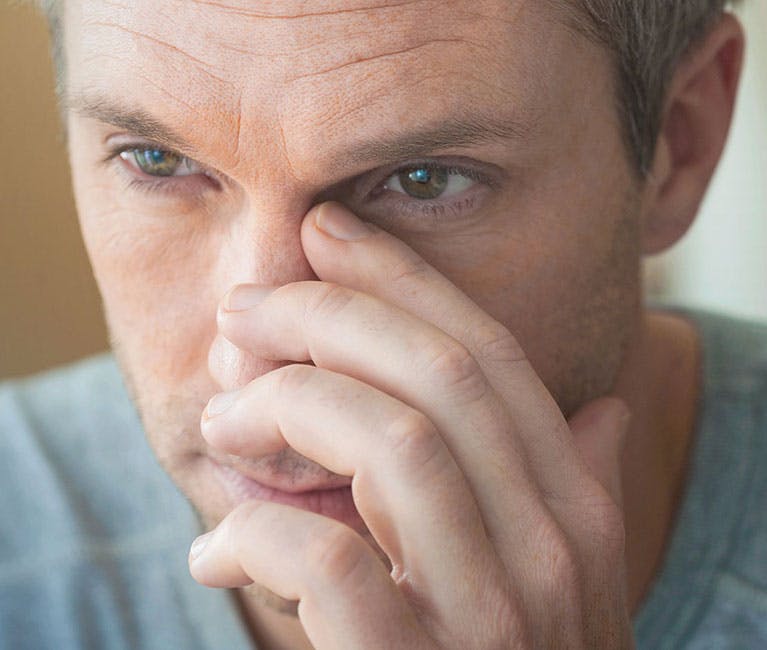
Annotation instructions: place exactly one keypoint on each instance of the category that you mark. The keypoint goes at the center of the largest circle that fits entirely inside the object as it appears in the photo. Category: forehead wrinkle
(284, 50)
(376, 57)
(261, 15)
(328, 42)
(199, 64)
(328, 118)
(285, 132)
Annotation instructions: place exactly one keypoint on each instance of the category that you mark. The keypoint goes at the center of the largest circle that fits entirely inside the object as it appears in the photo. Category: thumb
(600, 429)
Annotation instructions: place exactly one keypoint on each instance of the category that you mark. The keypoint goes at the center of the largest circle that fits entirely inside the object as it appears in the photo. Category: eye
(428, 182)
(160, 162)
(420, 195)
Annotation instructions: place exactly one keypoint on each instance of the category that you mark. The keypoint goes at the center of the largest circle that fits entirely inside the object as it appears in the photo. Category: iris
(424, 183)
(157, 162)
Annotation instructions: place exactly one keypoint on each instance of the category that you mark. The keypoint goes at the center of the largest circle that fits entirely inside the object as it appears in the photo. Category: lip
(334, 502)
(280, 482)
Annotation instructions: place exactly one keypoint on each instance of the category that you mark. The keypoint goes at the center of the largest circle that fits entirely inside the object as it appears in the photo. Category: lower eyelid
(429, 213)
(136, 180)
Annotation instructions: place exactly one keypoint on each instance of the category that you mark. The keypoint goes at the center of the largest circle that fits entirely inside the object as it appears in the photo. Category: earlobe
(694, 127)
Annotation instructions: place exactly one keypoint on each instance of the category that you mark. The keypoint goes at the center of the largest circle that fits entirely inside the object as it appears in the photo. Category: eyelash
(433, 209)
(155, 185)
(430, 209)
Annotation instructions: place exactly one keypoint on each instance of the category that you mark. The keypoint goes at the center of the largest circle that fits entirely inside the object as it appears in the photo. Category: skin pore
(299, 102)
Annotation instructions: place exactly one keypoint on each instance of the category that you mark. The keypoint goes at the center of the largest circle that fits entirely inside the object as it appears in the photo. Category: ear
(695, 123)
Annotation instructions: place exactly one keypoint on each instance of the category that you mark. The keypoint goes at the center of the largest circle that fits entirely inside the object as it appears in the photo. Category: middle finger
(414, 362)
(407, 487)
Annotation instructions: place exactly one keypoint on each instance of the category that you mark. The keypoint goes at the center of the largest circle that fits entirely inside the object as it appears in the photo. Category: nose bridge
(260, 238)
(262, 245)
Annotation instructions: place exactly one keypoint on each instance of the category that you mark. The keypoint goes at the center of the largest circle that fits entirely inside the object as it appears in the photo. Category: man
(371, 274)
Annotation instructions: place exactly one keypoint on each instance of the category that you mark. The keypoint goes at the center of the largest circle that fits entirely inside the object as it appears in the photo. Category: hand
(502, 522)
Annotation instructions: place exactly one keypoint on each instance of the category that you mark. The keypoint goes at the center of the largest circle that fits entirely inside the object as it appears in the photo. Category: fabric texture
(95, 536)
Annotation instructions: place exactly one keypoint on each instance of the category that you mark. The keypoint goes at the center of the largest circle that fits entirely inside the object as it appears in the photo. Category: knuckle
(608, 529)
(289, 379)
(456, 371)
(337, 556)
(238, 522)
(242, 516)
(496, 342)
(559, 569)
(563, 567)
(506, 627)
(328, 300)
(412, 439)
(408, 270)
(495, 618)
(614, 544)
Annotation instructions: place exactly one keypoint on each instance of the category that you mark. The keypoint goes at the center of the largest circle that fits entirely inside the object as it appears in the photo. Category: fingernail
(336, 221)
(219, 403)
(246, 296)
(198, 545)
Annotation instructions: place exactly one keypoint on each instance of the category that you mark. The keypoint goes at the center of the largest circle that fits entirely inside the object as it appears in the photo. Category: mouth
(282, 481)
(329, 499)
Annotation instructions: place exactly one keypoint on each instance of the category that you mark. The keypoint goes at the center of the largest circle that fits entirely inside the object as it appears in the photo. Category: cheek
(153, 275)
(561, 271)
(572, 301)
(157, 299)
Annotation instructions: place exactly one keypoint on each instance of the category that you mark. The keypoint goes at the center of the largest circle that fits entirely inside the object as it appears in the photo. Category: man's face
(286, 103)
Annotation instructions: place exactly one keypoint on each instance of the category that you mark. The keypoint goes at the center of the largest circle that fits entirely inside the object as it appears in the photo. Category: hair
(646, 39)
(53, 10)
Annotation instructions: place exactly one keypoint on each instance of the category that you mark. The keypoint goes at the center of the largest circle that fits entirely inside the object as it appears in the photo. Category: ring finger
(406, 485)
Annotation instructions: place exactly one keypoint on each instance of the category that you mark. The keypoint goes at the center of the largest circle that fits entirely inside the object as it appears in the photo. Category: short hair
(646, 39)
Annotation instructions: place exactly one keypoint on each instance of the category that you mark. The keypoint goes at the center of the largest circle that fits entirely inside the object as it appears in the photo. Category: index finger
(383, 266)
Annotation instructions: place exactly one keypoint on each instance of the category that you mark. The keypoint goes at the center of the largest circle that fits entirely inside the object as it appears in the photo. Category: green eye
(160, 162)
(428, 183)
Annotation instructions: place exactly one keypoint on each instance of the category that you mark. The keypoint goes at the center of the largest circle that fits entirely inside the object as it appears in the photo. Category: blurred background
(50, 310)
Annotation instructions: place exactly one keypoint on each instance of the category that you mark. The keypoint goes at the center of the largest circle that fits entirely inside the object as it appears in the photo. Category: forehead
(299, 76)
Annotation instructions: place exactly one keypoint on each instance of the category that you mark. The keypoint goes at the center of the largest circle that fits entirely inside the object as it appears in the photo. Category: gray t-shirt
(94, 535)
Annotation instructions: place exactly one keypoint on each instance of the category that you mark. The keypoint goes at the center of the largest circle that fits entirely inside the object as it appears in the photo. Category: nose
(261, 247)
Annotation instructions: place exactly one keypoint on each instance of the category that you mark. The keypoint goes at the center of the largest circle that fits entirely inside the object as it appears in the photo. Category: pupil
(423, 183)
(420, 176)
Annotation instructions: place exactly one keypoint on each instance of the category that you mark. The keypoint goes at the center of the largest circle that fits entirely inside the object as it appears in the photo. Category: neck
(660, 383)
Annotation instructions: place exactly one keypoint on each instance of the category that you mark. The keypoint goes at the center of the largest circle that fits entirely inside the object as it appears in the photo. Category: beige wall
(49, 306)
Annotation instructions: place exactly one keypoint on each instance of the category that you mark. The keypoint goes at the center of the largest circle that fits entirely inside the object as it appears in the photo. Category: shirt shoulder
(72, 449)
(95, 536)
(712, 589)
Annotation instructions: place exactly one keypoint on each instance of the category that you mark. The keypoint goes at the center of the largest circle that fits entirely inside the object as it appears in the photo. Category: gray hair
(646, 38)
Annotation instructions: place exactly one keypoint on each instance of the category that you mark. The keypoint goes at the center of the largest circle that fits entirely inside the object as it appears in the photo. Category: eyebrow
(467, 130)
(135, 121)
(448, 133)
